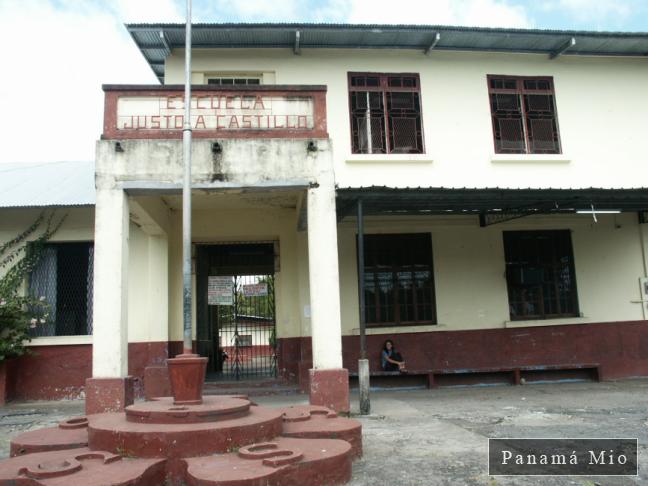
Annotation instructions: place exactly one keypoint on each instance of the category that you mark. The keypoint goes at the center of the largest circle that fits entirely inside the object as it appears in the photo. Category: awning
(492, 205)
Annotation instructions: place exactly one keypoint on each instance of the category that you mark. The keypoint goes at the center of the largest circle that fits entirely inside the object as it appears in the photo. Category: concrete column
(329, 382)
(110, 388)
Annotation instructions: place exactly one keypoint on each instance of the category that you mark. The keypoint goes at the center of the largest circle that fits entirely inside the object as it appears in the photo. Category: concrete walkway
(439, 437)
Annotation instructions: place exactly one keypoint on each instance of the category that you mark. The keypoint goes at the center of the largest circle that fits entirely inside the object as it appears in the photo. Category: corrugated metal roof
(47, 184)
(155, 40)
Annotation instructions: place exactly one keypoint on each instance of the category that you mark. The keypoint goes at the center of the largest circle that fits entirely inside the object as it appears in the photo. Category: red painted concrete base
(281, 461)
(156, 382)
(330, 389)
(108, 394)
(312, 422)
(69, 434)
(296, 445)
(80, 466)
(188, 439)
(113, 432)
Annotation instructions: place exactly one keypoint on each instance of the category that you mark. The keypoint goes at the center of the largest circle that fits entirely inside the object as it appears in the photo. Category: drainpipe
(186, 193)
(363, 362)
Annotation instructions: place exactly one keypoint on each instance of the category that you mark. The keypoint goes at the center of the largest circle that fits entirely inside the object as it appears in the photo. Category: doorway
(236, 323)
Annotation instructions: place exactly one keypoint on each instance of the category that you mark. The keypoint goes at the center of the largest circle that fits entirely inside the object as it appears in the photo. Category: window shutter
(507, 123)
(541, 123)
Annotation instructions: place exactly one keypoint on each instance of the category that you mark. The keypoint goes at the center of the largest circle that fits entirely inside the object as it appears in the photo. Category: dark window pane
(506, 102)
(540, 274)
(405, 129)
(386, 121)
(399, 285)
(523, 121)
(541, 124)
(368, 124)
(511, 134)
(63, 279)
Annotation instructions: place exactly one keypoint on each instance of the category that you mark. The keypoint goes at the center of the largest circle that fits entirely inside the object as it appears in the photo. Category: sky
(56, 54)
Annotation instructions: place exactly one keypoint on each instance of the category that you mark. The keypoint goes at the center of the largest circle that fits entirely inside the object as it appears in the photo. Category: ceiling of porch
(236, 199)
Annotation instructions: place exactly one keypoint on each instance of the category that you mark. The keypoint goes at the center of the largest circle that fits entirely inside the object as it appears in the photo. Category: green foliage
(19, 313)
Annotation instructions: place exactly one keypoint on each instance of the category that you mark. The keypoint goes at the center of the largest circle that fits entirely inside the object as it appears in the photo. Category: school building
(497, 178)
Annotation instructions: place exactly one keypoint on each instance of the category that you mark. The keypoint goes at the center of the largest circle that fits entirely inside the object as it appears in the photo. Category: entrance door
(236, 326)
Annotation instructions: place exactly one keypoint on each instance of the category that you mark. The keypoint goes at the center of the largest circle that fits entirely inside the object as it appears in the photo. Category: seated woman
(390, 359)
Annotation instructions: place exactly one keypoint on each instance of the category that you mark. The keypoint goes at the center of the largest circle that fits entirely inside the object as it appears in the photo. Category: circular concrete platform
(69, 434)
(113, 432)
(280, 461)
(165, 411)
(81, 466)
(313, 422)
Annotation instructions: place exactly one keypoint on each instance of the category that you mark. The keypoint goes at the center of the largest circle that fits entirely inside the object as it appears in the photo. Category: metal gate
(247, 332)
(236, 315)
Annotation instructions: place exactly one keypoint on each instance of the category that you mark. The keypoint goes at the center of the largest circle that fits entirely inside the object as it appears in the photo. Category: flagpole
(186, 194)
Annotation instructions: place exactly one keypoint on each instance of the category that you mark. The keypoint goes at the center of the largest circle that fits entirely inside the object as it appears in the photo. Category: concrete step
(251, 389)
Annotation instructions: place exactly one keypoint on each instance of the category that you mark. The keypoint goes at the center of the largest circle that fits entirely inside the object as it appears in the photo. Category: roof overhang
(156, 41)
(492, 205)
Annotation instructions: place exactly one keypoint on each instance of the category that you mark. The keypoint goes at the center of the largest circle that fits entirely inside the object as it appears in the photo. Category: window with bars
(232, 81)
(399, 280)
(385, 113)
(540, 274)
(63, 278)
(523, 112)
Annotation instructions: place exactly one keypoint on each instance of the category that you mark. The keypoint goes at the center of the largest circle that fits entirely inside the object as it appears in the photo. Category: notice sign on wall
(220, 290)
(255, 290)
(244, 111)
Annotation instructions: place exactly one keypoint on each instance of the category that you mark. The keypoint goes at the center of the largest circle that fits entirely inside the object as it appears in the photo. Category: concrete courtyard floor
(439, 437)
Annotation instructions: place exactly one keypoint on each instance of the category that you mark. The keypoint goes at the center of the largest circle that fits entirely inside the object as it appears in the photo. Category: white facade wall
(600, 103)
(470, 278)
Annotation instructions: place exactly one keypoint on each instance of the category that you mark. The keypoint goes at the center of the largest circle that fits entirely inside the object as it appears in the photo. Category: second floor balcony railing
(266, 111)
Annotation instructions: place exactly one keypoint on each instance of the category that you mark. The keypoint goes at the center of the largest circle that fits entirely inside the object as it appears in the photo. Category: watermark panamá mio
(563, 457)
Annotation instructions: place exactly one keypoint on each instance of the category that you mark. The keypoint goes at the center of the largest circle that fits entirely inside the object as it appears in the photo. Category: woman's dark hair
(385, 344)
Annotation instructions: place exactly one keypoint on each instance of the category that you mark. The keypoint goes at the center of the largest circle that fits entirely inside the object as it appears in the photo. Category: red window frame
(521, 91)
(384, 88)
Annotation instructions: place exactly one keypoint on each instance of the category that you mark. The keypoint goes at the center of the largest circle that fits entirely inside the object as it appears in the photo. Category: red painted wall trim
(59, 372)
(114, 92)
(621, 349)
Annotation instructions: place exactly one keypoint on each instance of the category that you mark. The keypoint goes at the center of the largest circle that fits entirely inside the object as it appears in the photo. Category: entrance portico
(244, 190)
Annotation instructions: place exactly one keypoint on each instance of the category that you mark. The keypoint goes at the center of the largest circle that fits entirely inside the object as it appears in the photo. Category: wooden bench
(426, 373)
(515, 372)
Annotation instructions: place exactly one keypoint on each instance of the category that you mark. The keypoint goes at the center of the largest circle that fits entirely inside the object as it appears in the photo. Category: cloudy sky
(57, 53)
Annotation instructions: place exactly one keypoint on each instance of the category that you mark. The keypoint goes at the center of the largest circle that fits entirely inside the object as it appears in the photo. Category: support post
(329, 381)
(363, 362)
(110, 389)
